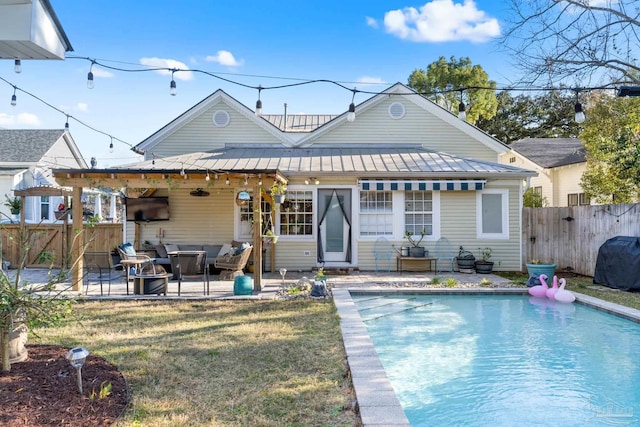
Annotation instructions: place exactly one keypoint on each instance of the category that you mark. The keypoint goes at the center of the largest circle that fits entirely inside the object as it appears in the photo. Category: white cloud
(224, 57)
(171, 64)
(442, 21)
(367, 80)
(372, 22)
(81, 106)
(99, 72)
(22, 119)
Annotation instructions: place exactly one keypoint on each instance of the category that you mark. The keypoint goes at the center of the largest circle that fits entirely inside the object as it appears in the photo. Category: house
(404, 165)
(29, 29)
(27, 157)
(560, 163)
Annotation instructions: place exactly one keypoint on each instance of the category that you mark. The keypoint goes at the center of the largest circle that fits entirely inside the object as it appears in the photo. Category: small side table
(150, 284)
(402, 260)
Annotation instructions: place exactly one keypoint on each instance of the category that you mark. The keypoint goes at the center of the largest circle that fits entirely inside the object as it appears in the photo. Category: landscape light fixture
(351, 114)
(259, 103)
(17, 67)
(76, 357)
(580, 118)
(462, 110)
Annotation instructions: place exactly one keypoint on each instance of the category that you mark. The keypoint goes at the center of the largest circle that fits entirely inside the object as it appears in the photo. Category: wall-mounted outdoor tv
(146, 209)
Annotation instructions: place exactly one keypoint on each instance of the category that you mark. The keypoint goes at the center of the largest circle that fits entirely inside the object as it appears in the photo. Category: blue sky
(247, 42)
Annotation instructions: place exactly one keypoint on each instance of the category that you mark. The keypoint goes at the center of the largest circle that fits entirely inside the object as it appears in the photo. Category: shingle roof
(369, 160)
(551, 152)
(26, 145)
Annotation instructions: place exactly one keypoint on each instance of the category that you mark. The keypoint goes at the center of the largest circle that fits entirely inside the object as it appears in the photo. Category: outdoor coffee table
(401, 262)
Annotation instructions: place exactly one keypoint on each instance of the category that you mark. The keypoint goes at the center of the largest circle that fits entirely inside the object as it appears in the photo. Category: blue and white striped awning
(422, 185)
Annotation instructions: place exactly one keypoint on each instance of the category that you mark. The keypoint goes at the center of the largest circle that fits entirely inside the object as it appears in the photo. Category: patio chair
(100, 263)
(191, 264)
(131, 260)
(232, 265)
(382, 250)
(445, 252)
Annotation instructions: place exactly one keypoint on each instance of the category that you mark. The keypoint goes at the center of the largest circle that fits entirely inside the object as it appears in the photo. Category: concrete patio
(272, 283)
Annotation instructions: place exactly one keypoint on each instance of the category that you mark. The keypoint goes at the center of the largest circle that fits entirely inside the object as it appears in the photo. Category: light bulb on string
(246, 181)
(111, 145)
(259, 103)
(14, 99)
(207, 178)
(580, 117)
(90, 76)
(462, 111)
(227, 180)
(351, 114)
(17, 66)
(66, 124)
(260, 180)
(172, 85)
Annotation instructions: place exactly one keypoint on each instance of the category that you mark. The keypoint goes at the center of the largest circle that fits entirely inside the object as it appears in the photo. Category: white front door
(335, 228)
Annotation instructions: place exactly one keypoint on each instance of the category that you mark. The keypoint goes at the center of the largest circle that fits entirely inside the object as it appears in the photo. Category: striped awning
(422, 185)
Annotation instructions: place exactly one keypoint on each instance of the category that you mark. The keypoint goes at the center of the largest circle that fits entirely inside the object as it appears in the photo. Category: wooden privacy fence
(572, 236)
(48, 242)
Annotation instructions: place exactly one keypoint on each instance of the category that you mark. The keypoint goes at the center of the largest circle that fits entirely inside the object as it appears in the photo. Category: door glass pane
(335, 227)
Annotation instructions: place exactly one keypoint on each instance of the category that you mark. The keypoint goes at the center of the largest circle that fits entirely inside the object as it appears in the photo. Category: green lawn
(215, 363)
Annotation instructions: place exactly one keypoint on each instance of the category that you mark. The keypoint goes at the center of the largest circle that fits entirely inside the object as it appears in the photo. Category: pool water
(505, 360)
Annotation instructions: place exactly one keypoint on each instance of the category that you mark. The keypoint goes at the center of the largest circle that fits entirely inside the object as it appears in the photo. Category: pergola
(136, 180)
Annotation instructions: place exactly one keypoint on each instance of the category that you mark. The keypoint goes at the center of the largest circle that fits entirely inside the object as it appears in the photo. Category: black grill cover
(618, 264)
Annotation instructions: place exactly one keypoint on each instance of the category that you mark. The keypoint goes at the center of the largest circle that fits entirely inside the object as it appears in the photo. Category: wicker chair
(232, 265)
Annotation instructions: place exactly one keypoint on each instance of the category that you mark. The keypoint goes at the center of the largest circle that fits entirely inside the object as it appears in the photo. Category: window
(296, 214)
(537, 190)
(512, 159)
(245, 228)
(376, 213)
(583, 199)
(44, 207)
(572, 199)
(493, 214)
(418, 212)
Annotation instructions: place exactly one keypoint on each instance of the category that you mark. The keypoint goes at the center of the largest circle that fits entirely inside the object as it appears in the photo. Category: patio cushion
(127, 248)
(225, 250)
(171, 248)
(161, 251)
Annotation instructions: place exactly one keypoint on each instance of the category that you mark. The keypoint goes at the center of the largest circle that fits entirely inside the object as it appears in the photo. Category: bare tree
(584, 41)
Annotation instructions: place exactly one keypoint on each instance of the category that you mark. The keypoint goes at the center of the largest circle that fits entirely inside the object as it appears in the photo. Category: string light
(17, 66)
(580, 117)
(172, 85)
(246, 181)
(182, 172)
(90, 76)
(207, 178)
(111, 146)
(66, 124)
(14, 99)
(351, 114)
(259, 103)
(260, 180)
(227, 180)
(462, 113)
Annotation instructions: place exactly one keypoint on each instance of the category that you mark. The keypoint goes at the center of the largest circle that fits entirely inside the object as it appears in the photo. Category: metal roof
(551, 152)
(362, 161)
(298, 122)
(26, 145)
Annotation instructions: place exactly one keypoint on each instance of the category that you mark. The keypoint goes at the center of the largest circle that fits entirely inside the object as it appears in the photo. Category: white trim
(504, 235)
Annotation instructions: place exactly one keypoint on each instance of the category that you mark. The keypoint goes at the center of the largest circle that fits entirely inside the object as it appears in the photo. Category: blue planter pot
(535, 270)
(243, 285)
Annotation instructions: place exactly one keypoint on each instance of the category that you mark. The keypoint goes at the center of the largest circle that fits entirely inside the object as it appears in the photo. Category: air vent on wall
(220, 118)
(396, 110)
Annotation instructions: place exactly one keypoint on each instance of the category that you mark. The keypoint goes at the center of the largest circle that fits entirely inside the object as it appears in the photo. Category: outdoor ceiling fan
(199, 192)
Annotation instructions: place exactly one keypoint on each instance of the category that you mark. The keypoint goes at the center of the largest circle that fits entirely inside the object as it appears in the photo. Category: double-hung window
(376, 213)
(418, 213)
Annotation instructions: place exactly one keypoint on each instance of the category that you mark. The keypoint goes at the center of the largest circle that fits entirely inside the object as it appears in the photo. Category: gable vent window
(512, 159)
(396, 110)
(221, 118)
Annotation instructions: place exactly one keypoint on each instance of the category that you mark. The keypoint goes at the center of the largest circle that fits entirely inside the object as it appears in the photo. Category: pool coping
(377, 401)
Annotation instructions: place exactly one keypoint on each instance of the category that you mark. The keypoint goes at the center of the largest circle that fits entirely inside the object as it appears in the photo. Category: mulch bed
(43, 391)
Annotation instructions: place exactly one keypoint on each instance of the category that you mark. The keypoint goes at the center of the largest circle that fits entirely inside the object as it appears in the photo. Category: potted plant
(465, 259)
(14, 204)
(537, 267)
(61, 211)
(483, 265)
(277, 191)
(416, 251)
(269, 237)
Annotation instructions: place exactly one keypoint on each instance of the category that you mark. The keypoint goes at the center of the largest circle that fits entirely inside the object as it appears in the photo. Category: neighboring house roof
(26, 145)
(361, 161)
(551, 152)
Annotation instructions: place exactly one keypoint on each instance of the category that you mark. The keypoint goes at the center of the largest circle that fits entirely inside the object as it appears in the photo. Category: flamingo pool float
(563, 295)
(551, 292)
(540, 290)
